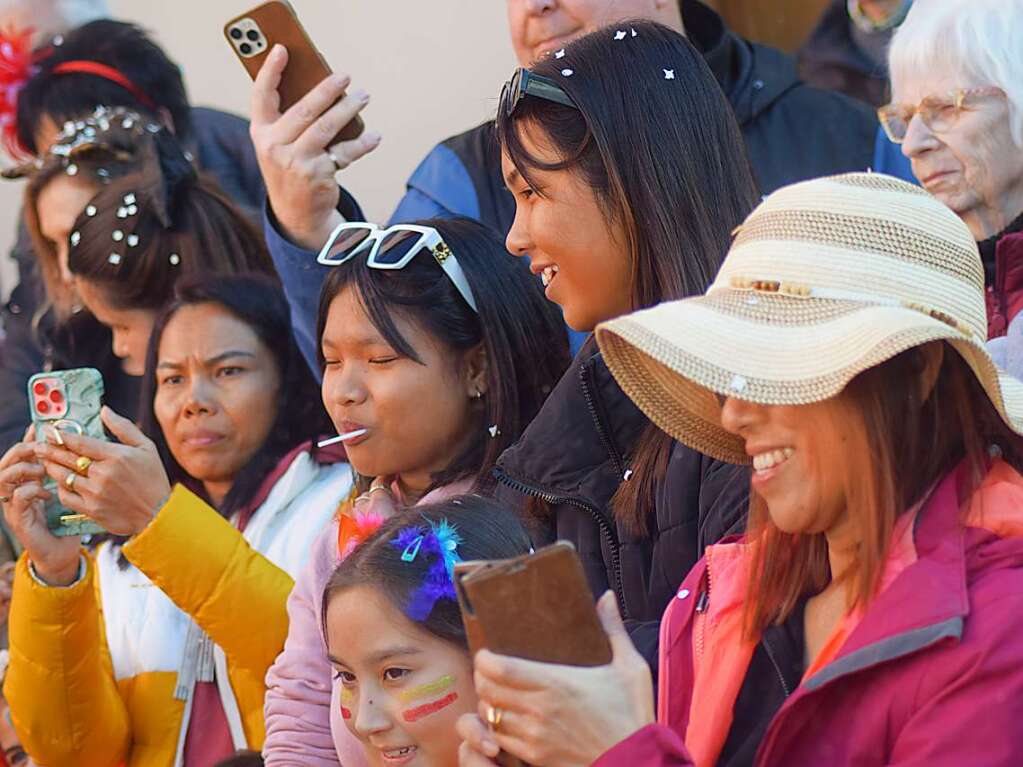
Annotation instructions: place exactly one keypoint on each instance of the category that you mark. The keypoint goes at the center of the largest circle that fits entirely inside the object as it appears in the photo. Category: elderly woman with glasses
(957, 111)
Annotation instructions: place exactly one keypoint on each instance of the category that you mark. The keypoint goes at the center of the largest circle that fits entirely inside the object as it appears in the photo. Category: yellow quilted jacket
(94, 666)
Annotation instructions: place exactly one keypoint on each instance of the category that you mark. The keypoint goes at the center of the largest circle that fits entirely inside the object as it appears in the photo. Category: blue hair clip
(441, 542)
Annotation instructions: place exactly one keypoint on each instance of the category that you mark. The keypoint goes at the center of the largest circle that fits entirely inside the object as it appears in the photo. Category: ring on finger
(494, 716)
(69, 481)
(82, 465)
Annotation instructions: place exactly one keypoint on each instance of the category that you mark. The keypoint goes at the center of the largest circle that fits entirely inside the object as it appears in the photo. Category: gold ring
(5, 499)
(82, 465)
(69, 481)
(494, 716)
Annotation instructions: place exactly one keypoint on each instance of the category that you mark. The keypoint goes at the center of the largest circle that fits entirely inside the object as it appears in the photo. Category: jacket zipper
(605, 438)
(777, 668)
(605, 528)
(700, 621)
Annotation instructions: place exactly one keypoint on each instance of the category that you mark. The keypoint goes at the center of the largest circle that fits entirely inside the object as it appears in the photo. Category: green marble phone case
(68, 400)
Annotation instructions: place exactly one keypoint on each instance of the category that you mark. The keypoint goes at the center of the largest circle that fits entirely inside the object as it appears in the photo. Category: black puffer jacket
(574, 456)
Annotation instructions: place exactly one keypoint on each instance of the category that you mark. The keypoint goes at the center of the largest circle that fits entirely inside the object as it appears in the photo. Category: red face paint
(417, 713)
(346, 700)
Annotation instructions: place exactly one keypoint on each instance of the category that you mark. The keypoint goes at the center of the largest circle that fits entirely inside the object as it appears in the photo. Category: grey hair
(979, 39)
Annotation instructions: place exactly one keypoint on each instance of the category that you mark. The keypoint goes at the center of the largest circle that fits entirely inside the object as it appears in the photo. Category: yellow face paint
(346, 702)
(428, 690)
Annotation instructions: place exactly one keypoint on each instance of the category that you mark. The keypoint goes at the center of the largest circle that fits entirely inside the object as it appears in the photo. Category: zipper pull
(701, 604)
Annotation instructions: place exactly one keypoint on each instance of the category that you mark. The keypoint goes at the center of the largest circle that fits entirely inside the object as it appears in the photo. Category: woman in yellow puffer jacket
(151, 651)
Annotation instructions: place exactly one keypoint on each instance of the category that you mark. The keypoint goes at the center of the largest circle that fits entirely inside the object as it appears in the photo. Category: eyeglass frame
(429, 238)
(526, 83)
(958, 100)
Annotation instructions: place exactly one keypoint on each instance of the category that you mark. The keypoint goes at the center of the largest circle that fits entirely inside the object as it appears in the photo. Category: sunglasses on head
(524, 83)
(394, 248)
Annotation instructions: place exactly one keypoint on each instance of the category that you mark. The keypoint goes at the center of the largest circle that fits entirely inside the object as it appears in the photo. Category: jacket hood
(588, 427)
(752, 76)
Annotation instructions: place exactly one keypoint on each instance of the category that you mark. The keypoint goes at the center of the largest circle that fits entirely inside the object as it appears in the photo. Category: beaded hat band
(825, 279)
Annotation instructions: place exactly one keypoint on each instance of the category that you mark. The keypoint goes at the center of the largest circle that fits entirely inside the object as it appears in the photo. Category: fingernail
(363, 97)
(278, 49)
(490, 747)
(373, 139)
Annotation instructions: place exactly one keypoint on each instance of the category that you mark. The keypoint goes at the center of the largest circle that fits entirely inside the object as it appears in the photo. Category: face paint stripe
(346, 700)
(415, 714)
(427, 690)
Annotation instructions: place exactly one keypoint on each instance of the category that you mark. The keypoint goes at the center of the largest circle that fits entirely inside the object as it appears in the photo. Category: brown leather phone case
(306, 68)
(537, 606)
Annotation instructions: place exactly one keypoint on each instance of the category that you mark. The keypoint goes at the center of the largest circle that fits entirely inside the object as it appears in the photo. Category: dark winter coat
(1003, 277)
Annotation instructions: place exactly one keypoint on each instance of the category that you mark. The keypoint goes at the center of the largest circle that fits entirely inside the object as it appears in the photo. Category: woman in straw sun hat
(873, 613)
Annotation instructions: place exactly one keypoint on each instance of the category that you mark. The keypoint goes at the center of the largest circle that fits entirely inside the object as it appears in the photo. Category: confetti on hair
(440, 543)
(621, 34)
(567, 72)
(669, 74)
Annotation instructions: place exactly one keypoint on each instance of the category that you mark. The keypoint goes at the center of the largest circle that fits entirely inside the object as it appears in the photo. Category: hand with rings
(56, 560)
(558, 716)
(120, 486)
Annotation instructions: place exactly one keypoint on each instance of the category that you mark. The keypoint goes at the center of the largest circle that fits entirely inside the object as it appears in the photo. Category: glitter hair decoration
(439, 543)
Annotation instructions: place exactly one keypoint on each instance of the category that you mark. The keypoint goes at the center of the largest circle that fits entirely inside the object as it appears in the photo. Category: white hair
(979, 39)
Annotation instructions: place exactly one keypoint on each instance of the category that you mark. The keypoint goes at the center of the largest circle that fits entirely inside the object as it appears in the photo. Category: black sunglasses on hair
(524, 83)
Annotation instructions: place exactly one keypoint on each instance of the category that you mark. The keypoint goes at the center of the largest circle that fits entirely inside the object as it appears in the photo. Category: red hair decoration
(353, 531)
(16, 67)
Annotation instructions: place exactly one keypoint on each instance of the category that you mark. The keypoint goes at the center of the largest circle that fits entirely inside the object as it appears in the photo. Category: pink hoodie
(303, 716)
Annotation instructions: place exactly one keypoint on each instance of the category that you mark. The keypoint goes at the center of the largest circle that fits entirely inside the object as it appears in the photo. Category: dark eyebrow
(380, 657)
(512, 177)
(210, 362)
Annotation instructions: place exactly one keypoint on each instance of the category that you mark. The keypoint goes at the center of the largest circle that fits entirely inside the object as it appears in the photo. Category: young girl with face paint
(394, 633)
(436, 367)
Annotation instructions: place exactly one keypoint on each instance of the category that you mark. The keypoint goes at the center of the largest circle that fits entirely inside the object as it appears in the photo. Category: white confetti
(669, 74)
(175, 259)
(567, 72)
(559, 54)
(90, 211)
(620, 34)
(72, 170)
(76, 237)
(117, 235)
(633, 31)
(114, 259)
(129, 198)
(133, 240)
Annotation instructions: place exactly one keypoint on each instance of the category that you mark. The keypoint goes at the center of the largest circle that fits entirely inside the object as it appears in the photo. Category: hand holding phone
(66, 401)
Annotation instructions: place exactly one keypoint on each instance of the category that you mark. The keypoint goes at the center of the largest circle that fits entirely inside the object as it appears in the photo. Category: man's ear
(933, 354)
(475, 367)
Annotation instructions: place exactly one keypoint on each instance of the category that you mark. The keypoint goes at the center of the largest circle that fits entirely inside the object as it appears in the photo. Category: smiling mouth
(548, 274)
(772, 459)
(399, 754)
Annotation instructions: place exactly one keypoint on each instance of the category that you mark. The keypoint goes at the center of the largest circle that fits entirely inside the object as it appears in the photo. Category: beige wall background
(433, 67)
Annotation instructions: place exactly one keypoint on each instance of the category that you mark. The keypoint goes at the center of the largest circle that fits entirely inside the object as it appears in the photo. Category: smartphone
(67, 401)
(536, 606)
(252, 35)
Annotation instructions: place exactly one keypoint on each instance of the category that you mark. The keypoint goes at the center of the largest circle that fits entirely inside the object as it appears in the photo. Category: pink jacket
(303, 716)
(930, 674)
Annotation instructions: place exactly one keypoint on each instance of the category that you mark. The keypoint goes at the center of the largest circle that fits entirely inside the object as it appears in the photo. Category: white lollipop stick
(341, 438)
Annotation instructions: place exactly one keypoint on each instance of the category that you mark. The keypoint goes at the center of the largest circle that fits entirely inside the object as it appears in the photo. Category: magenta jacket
(931, 674)
(303, 716)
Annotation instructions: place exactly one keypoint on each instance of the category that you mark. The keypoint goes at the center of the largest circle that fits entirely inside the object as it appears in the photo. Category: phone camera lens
(236, 33)
(245, 48)
(252, 34)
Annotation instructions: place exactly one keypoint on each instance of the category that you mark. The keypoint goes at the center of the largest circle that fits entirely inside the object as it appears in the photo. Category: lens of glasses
(895, 123)
(348, 242)
(397, 247)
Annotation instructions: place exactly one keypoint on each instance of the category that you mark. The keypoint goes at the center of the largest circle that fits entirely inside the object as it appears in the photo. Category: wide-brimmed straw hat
(825, 279)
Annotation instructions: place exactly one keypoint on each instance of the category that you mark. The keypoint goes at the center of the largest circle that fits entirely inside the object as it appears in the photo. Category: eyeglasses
(939, 113)
(394, 248)
(524, 83)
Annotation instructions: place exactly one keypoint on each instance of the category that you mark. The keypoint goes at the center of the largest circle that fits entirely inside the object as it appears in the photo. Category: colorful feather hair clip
(354, 530)
(440, 544)
(16, 68)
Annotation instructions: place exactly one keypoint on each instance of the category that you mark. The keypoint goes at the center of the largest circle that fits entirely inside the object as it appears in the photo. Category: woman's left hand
(559, 716)
(122, 485)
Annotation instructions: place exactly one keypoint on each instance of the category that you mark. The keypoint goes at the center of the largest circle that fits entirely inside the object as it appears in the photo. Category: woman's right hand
(56, 560)
(294, 153)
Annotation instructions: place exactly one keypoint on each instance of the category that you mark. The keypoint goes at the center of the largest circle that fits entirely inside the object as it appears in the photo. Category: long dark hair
(260, 304)
(665, 159)
(123, 46)
(522, 333)
(141, 233)
(898, 445)
(487, 530)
